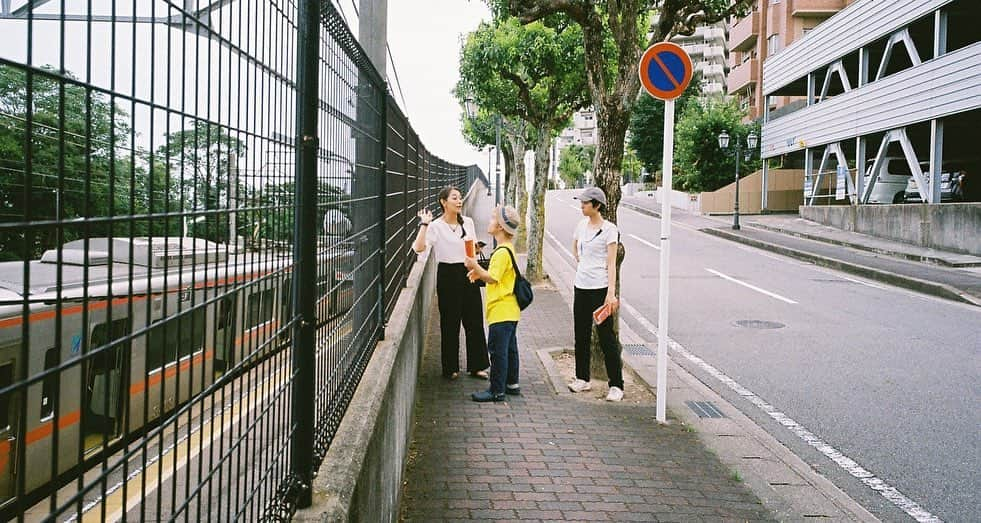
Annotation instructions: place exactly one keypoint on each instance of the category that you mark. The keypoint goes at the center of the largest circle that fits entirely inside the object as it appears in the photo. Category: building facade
(707, 49)
(770, 27)
(892, 99)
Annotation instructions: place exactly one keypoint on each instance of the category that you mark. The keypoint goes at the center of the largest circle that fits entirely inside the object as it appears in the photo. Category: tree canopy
(700, 164)
(647, 125)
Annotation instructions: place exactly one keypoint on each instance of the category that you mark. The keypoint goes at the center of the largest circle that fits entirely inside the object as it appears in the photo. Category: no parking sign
(665, 71)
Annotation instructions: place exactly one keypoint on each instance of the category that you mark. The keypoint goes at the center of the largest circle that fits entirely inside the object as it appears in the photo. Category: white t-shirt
(448, 246)
(592, 244)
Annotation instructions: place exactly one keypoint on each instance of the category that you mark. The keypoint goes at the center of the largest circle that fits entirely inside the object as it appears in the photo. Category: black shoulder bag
(522, 288)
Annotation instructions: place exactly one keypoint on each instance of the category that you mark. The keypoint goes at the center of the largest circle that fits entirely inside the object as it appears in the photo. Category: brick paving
(544, 456)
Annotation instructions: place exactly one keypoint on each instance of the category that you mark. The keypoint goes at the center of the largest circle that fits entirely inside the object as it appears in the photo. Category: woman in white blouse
(459, 300)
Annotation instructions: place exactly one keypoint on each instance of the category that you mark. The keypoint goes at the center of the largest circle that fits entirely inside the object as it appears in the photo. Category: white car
(890, 186)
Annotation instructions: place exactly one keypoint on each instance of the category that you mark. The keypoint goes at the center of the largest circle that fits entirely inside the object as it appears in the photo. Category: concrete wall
(953, 227)
(361, 476)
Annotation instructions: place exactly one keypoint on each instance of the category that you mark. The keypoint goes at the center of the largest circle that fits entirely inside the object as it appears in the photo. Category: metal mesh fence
(205, 220)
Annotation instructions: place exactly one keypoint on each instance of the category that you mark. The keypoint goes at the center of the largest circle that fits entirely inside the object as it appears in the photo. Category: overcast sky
(424, 37)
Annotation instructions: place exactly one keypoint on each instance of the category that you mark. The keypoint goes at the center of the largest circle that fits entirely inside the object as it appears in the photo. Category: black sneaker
(485, 396)
(514, 390)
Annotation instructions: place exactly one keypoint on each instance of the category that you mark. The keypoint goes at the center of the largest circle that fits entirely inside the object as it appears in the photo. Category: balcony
(817, 7)
(743, 34)
(744, 74)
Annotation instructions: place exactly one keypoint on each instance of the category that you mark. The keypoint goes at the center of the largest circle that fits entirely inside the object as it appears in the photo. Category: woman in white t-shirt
(459, 300)
(595, 248)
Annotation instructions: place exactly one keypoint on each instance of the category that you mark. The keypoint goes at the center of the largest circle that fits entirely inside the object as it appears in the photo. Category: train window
(192, 333)
(171, 339)
(103, 335)
(6, 380)
(260, 308)
(49, 384)
(287, 304)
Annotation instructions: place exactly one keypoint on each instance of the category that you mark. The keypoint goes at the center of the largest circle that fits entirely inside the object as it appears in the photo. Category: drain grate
(758, 324)
(705, 409)
(638, 350)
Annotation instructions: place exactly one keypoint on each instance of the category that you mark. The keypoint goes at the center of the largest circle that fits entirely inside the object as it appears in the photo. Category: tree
(532, 72)
(60, 160)
(574, 161)
(203, 158)
(613, 35)
(700, 164)
(647, 125)
(630, 167)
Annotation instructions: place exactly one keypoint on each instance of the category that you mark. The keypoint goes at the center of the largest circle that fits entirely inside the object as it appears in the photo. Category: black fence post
(304, 249)
(382, 213)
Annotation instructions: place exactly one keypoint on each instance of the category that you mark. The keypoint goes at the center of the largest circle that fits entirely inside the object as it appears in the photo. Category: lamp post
(751, 140)
(471, 108)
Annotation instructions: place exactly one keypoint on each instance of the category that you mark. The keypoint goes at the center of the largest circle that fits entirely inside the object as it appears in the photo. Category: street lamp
(471, 108)
(751, 141)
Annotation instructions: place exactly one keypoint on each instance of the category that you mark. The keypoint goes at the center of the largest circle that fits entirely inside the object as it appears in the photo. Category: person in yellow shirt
(503, 312)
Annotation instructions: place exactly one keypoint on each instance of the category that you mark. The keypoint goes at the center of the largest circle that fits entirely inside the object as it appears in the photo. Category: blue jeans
(502, 343)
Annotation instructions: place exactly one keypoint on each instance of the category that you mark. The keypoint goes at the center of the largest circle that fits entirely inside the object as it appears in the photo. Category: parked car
(890, 186)
(952, 182)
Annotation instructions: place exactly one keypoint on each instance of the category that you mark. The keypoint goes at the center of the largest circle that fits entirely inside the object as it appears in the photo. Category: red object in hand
(601, 314)
(471, 251)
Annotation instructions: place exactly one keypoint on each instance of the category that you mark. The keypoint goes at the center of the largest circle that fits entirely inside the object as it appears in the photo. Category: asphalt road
(886, 376)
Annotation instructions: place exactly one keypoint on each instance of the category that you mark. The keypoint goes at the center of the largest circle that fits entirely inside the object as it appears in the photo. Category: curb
(940, 290)
(895, 254)
(642, 210)
(783, 482)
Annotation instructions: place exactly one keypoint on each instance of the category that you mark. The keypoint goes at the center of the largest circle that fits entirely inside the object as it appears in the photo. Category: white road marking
(860, 282)
(753, 287)
(645, 242)
(887, 491)
(559, 244)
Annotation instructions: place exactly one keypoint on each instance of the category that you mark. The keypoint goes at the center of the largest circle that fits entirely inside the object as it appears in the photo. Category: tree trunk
(508, 151)
(606, 166)
(519, 195)
(536, 210)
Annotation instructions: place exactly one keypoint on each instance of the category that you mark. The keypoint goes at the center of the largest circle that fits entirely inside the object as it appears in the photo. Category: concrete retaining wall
(361, 476)
(953, 227)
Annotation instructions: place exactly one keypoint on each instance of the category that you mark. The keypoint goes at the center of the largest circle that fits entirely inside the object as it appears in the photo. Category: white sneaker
(615, 394)
(578, 385)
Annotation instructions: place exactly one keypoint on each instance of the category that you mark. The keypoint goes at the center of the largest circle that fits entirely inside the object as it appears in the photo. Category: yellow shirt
(501, 303)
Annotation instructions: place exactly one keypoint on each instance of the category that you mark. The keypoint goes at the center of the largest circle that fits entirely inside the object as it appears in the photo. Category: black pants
(585, 302)
(459, 300)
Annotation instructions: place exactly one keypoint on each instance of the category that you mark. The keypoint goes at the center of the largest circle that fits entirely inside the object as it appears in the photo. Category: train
(119, 332)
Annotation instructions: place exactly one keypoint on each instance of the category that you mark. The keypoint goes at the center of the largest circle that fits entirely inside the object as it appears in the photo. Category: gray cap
(592, 193)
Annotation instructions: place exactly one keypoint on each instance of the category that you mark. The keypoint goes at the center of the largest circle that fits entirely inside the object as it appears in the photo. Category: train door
(225, 333)
(104, 373)
(9, 417)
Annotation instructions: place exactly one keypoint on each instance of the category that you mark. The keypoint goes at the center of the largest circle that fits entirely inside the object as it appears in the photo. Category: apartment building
(582, 132)
(770, 27)
(707, 49)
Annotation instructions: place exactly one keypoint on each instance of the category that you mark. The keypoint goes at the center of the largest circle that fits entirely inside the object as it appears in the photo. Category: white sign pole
(662, 303)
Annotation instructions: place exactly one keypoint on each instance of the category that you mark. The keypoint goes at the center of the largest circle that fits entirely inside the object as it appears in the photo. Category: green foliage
(630, 166)
(699, 162)
(78, 163)
(200, 157)
(574, 160)
(647, 124)
(529, 72)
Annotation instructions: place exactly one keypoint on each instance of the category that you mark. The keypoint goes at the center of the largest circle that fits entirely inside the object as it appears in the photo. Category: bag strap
(513, 262)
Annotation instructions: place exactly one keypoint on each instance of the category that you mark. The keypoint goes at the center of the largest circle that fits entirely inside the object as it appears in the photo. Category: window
(772, 45)
(49, 384)
(6, 380)
(171, 339)
(260, 308)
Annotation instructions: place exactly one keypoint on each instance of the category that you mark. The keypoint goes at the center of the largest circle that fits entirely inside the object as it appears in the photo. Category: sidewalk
(548, 456)
(947, 275)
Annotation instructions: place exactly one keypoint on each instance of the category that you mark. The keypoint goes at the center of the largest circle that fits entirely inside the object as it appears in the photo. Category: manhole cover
(758, 324)
(637, 350)
(705, 409)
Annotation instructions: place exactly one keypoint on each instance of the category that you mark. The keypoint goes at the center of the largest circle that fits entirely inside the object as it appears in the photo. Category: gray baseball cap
(592, 193)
